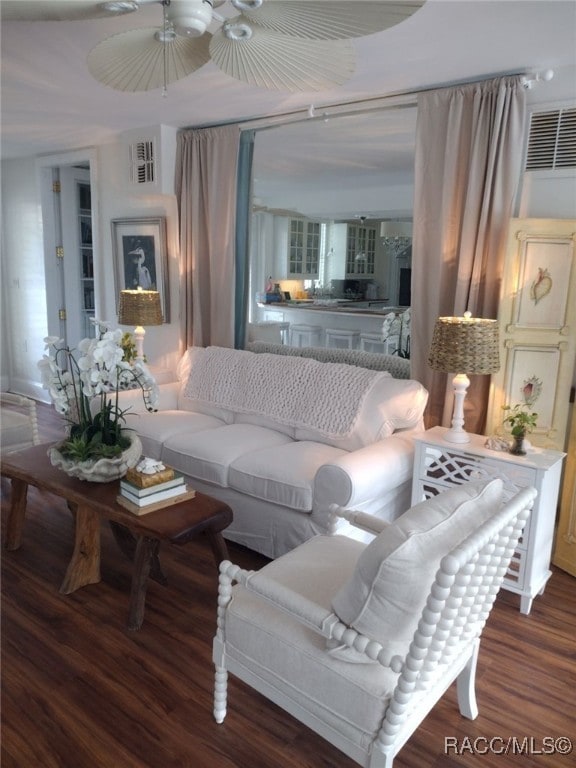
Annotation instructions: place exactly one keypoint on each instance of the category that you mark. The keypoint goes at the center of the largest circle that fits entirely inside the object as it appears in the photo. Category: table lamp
(139, 308)
(463, 345)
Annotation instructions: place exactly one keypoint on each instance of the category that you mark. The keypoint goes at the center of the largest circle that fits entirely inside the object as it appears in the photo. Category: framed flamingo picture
(140, 257)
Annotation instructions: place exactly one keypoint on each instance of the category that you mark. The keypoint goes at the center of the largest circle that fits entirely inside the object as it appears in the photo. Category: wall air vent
(552, 140)
(142, 162)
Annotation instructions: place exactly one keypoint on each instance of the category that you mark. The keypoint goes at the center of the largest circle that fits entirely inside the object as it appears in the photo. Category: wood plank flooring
(81, 691)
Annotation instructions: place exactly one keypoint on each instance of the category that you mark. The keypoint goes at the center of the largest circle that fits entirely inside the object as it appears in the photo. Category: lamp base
(139, 334)
(456, 436)
(457, 433)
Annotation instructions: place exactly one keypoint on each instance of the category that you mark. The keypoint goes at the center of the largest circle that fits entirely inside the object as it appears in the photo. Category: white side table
(439, 465)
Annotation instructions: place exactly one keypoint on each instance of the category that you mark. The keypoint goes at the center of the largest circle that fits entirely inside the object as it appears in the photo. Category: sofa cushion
(208, 455)
(155, 428)
(388, 590)
(283, 475)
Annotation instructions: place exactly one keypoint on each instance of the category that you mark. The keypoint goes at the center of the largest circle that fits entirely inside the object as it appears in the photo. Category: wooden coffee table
(138, 536)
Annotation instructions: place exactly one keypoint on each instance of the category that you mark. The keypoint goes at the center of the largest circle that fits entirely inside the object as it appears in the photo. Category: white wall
(118, 201)
(23, 279)
(548, 195)
(23, 271)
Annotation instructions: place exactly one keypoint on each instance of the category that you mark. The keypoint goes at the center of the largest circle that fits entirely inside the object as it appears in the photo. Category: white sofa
(281, 438)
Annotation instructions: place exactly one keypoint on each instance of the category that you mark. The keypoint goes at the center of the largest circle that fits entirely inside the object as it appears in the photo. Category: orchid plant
(84, 385)
(398, 326)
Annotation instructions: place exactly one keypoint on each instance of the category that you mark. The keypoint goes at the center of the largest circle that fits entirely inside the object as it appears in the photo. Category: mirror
(339, 177)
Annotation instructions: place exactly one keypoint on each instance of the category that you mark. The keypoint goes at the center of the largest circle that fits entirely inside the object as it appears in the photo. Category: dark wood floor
(81, 691)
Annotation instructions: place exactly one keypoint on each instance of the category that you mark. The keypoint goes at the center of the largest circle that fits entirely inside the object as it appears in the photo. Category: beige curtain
(206, 166)
(469, 142)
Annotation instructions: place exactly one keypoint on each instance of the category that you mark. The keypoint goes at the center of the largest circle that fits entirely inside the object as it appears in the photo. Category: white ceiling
(51, 104)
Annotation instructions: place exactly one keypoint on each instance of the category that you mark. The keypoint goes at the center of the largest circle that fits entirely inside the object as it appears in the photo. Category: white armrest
(366, 474)
(8, 398)
(305, 611)
(359, 519)
(167, 398)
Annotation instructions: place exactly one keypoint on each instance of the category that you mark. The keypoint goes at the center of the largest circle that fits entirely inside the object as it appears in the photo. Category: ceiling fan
(289, 45)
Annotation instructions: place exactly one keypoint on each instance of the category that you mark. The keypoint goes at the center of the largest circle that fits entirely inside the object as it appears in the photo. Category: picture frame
(141, 258)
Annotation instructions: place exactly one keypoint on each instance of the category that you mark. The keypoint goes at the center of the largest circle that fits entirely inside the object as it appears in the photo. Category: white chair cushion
(388, 590)
(208, 455)
(292, 658)
(155, 428)
(284, 475)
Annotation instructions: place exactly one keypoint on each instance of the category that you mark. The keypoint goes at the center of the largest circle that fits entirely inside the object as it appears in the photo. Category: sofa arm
(365, 474)
(167, 398)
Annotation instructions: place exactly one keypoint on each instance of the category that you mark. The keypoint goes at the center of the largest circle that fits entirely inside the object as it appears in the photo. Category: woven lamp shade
(140, 308)
(465, 345)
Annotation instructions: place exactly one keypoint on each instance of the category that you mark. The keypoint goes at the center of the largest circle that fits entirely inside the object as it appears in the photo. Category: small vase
(98, 470)
(517, 447)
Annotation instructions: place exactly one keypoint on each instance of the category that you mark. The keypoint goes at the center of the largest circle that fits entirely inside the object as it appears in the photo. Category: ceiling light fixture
(189, 18)
(396, 236)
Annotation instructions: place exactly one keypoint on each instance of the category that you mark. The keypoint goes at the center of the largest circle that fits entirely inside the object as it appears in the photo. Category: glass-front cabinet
(304, 239)
(360, 250)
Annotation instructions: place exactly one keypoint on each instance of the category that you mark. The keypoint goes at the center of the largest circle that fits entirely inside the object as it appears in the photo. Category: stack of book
(141, 493)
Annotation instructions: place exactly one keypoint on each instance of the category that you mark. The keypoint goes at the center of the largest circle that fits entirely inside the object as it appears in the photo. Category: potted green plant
(521, 421)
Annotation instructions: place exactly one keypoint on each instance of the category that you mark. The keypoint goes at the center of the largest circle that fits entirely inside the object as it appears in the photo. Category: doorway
(70, 245)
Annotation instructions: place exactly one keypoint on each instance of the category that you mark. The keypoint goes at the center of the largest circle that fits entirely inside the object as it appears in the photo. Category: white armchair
(359, 642)
(18, 429)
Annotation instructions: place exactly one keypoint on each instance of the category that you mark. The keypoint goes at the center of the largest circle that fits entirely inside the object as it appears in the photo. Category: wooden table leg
(127, 543)
(219, 548)
(84, 566)
(17, 513)
(146, 553)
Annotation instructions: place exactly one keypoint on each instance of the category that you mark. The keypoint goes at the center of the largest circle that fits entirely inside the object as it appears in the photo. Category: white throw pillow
(390, 404)
(387, 592)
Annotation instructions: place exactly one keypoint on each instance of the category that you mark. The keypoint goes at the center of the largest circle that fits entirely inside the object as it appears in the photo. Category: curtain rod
(402, 99)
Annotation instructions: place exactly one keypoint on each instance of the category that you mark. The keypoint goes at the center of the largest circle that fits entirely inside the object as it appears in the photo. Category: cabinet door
(78, 273)
(360, 250)
(537, 327)
(304, 241)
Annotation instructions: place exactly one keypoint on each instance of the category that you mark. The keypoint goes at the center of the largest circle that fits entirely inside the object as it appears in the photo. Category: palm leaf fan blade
(278, 62)
(134, 60)
(54, 10)
(331, 19)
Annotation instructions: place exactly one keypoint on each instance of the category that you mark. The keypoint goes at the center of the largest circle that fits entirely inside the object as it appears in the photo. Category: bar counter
(363, 316)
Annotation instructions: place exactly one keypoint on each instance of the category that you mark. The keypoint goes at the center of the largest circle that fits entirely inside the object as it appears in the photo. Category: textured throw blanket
(294, 391)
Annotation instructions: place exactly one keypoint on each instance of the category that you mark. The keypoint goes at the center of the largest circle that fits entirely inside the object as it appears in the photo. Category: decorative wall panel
(537, 327)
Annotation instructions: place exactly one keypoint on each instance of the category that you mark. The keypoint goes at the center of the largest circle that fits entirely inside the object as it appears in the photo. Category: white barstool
(284, 332)
(372, 342)
(342, 338)
(269, 330)
(304, 335)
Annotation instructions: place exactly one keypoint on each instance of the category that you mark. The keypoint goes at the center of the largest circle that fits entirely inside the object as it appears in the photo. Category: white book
(129, 488)
(154, 498)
